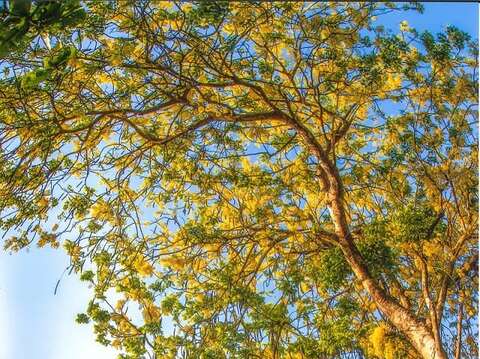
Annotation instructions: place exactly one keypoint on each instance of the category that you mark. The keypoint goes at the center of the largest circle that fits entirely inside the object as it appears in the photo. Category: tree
(282, 180)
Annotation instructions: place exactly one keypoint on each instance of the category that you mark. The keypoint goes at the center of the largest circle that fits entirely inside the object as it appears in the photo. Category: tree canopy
(249, 179)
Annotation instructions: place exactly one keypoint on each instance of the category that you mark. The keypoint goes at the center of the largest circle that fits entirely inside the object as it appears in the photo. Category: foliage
(23, 20)
(247, 180)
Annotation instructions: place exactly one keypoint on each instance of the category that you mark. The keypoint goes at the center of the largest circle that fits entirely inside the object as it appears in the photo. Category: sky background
(36, 324)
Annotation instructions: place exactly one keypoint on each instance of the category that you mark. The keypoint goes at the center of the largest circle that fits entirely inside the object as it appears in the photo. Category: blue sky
(36, 324)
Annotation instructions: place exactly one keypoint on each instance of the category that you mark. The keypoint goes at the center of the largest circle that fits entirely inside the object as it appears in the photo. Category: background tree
(279, 180)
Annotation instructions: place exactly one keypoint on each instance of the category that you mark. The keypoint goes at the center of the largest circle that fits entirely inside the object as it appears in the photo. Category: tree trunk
(458, 339)
(418, 333)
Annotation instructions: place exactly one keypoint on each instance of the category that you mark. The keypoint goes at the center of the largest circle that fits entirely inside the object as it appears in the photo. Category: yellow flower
(173, 262)
(101, 210)
(404, 26)
(48, 238)
(103, 78)
(377, 338)
(389, 350)
(230, 28)
(143, 267)
(151, 313)
(393, 82)
(43, 202)
(119, 305)
(304, 287)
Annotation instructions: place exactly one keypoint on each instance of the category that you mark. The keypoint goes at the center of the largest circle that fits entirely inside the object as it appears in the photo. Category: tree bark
(458, 339)
(418, 333)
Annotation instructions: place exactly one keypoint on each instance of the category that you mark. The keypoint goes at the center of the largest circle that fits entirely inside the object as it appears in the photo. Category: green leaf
(20, 7)
(82, 318)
